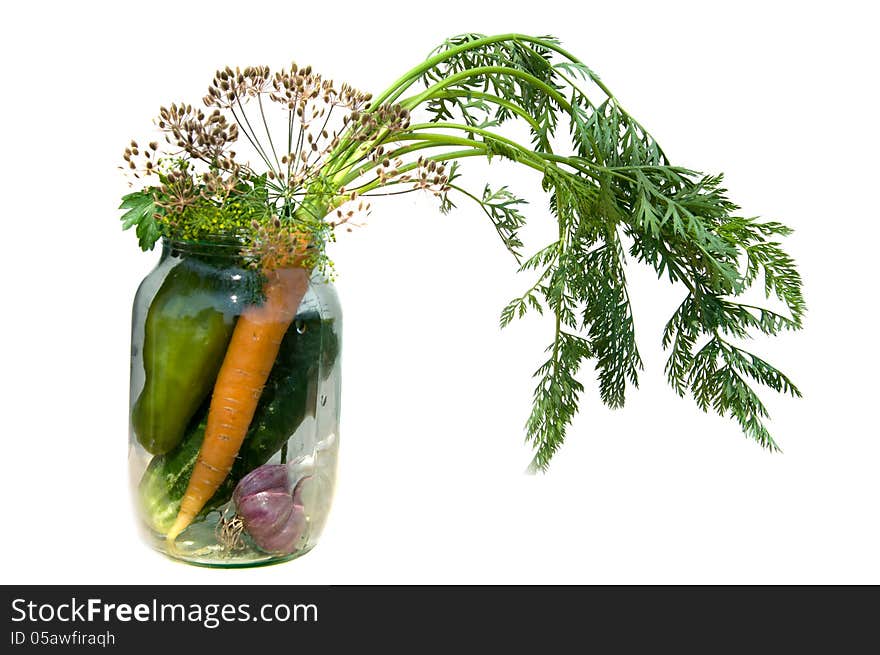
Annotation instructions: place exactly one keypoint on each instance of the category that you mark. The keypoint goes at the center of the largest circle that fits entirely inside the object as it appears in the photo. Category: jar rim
(224, 245)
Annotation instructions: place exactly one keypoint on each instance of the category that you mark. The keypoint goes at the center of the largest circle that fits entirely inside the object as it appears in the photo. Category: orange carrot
(248, 361)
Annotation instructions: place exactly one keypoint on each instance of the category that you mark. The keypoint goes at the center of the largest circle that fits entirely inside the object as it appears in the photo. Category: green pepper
(287, 398)
(188, 327)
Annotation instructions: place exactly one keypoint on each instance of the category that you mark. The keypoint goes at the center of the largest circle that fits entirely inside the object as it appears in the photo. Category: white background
(782, 97)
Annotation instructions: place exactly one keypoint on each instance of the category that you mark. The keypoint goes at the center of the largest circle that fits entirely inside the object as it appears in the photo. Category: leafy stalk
(614, 193)
(617, 187)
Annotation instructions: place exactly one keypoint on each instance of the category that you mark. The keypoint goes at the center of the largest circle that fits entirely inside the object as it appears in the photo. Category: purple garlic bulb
(272, 513)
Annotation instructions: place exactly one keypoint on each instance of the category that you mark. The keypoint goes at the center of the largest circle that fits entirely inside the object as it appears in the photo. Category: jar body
(184, 319)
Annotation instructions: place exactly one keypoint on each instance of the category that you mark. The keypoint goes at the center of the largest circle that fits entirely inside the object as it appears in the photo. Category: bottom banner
(233, 619)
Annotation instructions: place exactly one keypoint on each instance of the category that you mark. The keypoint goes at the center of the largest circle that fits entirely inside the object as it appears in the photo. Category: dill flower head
(275, 245)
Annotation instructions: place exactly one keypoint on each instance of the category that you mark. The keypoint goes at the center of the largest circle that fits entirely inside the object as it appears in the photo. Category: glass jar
(212, 484)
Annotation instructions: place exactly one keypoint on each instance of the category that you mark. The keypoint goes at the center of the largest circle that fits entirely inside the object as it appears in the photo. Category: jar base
(238, 562)
(199, 546)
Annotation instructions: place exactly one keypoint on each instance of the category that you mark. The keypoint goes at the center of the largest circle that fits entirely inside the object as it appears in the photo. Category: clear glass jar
(270, 502)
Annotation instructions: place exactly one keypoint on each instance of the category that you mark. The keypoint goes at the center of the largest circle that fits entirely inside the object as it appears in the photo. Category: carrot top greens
(613, 191)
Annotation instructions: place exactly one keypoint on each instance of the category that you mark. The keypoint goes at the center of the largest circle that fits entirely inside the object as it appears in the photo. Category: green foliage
(534, 60)
(607, 319)
(556, 396)
(446, 204)
(141, 214)
(617, 187)
(616, 197)
(503, 209)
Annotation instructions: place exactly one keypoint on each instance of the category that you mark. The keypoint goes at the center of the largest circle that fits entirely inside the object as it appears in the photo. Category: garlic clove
(265, 513)
(285, 540)
(269, 477)
(273, 514)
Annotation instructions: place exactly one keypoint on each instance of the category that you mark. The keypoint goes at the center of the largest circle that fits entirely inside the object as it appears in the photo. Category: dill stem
(255, 142)
(298, 149)
(250, 139)
(268, 133)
